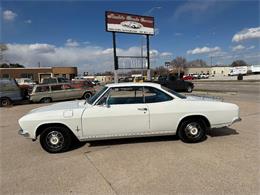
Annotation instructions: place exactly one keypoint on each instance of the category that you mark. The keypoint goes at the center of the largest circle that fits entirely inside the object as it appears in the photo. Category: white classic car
(126, 110)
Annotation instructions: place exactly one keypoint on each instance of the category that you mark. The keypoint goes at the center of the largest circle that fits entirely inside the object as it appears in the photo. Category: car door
(120, 112)
(57, 92)
(71, 92)
(164, 115)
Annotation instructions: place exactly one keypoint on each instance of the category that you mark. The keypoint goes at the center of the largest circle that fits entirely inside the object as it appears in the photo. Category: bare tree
(179, 63)
(161, 70)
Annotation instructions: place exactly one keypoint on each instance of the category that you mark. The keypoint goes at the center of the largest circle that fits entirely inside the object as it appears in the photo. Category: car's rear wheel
(55, 139)
(192, 131)
(46, 100)
(87, 95)
(5, 102)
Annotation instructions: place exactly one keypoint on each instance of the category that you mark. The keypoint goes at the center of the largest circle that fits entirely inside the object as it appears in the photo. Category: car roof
(129, 84)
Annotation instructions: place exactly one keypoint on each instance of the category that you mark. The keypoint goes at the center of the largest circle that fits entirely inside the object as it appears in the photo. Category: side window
(56, 87)
(67, 87)
(123, 95)
(42, 89)
(153, 95)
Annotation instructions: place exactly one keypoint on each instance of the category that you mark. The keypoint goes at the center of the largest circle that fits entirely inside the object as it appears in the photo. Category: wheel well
(45, 98)
(86, 93)
(42, 127)
(195, 117)
(6, 98)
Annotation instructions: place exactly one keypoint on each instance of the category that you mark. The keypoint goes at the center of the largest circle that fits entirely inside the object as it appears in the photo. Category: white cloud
(154, 53)
(204, 50)
(251, 47)
(88, 58)
(28, 21)
(249, 33)
(193, 7)
(238, 48)
(177, 34)
(9, 15)
(156, 31)
(166, 54)
(71, 43)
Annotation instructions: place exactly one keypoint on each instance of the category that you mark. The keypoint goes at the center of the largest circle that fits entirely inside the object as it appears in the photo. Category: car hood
(69, 105)
(203, 98)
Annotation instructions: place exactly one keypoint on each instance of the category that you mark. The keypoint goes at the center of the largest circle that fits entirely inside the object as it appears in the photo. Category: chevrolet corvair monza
(126, 110)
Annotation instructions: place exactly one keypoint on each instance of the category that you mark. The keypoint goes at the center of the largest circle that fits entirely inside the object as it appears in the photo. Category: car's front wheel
(55, 139)
(192, 131)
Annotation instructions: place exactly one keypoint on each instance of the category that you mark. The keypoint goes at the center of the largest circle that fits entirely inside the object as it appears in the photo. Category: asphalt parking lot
(227, 162)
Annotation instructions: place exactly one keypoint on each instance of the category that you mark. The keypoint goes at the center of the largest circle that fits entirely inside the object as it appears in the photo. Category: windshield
(174, 93)
(95, 97)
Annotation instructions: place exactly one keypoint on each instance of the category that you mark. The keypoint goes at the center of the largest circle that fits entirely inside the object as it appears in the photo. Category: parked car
(126, 110)
(50, 80)
(82, 84)
(55, 92)
(203, 76)
(25, 81)
(126, 79)
(96, 82)
(175, 84)
(187, 77)
(10, 92)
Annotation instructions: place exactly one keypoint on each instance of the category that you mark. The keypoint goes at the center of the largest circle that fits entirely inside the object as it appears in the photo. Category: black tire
(46, 100)
(189, 89)
(87, 95)
(192, 131)
(56, 139)
(5, 102)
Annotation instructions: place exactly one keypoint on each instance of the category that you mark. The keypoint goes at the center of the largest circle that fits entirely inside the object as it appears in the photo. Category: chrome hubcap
(55, 139)
(192, 130)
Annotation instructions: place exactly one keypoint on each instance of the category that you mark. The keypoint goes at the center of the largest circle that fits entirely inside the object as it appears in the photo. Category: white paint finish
(115, 119)
(101, 122)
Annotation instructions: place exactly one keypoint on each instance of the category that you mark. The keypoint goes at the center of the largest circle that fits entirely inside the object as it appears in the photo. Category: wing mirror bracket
(107, 102)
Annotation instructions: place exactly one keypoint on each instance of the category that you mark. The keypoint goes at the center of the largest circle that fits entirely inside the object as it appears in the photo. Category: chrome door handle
(142, 109)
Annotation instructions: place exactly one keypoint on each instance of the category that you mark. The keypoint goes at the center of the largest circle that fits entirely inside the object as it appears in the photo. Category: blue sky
(73, 32)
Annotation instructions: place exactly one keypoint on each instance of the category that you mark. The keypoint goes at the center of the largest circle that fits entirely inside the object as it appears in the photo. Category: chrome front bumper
(238, 119)
(23, 133)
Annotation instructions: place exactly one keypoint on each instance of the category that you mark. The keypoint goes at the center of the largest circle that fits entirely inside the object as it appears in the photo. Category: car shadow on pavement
(225, 131)
(133, 140)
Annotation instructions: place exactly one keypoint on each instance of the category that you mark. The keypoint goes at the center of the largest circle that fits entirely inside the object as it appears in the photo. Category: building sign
(128, 23)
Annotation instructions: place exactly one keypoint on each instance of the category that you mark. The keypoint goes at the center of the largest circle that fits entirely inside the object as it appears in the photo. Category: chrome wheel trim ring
(55, 139)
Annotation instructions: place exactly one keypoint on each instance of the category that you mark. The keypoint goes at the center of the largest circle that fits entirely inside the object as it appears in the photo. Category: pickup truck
(175, 84)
